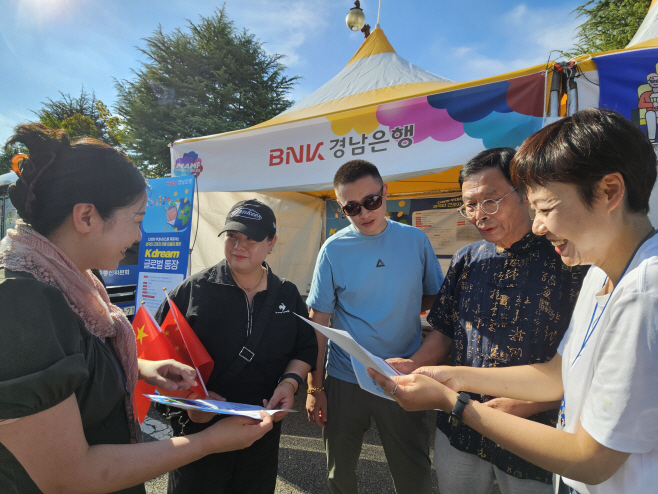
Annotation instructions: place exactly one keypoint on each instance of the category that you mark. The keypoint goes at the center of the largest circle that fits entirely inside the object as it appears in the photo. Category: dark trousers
(404, 436)
(252, 470)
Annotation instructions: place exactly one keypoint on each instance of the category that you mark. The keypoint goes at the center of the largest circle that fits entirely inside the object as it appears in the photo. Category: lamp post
(356, 20)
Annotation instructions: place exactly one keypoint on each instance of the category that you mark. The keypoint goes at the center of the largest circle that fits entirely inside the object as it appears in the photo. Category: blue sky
(47, 46)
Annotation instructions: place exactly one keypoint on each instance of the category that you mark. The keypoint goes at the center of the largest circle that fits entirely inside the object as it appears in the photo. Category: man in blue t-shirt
(375, 277)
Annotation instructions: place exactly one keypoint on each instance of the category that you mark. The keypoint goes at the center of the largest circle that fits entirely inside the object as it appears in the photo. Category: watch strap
(458, 409)
(294, 376)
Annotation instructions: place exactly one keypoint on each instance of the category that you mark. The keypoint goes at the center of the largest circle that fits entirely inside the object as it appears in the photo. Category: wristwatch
(294, 376)
(458, 409)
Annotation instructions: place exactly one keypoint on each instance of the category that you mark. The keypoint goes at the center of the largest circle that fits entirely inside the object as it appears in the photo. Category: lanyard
(590, 328)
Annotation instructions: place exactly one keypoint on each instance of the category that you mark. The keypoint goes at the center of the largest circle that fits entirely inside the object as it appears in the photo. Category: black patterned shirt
(504, 307)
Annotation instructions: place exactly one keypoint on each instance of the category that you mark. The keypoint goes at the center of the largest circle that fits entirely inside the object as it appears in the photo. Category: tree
(84, 116)
(205, 80)
(609, 24)
(5, 158)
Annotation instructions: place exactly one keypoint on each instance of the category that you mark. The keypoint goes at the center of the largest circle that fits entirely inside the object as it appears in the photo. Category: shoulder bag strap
(248, 350)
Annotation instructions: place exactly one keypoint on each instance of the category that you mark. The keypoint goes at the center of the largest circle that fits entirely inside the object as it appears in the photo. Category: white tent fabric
(649, 27)
(374, 72)
(299, 232)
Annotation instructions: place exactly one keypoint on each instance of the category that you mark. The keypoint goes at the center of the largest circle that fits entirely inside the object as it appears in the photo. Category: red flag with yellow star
(188, 346)
(152, 344)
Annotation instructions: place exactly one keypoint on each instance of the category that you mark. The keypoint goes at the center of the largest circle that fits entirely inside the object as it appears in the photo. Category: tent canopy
(414, 125)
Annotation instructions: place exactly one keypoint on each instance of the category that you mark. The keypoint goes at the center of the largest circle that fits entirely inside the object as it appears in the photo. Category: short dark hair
(491, 158)
(354, 170)
(582, 149)
(60, 174)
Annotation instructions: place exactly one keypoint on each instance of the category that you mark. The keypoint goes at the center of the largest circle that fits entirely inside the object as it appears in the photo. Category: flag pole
(148, 313)
(173, 312)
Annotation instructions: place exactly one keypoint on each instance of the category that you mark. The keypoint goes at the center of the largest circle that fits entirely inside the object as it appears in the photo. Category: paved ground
(302, 464)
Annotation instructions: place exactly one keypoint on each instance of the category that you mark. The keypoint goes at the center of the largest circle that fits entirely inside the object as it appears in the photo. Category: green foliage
(609, 25)
(8, 153)
(207, 80)
(84, 116)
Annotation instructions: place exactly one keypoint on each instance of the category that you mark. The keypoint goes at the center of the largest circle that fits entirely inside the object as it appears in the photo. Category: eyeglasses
(488, 206)
(370, 203)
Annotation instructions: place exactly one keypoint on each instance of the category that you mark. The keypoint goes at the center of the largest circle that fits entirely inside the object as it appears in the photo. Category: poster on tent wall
(404, 139)
(629, 85)
(164, 248)
(447, 230)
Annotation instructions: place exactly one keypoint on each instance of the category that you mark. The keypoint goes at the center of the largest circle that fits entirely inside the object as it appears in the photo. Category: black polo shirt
(218, 312)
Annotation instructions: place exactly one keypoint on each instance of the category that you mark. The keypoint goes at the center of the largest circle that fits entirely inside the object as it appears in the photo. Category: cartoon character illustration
(649, 102)
(178, 213)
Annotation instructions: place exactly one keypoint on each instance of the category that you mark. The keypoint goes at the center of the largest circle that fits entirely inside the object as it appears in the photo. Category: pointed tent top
(374, 44)
(375, 73)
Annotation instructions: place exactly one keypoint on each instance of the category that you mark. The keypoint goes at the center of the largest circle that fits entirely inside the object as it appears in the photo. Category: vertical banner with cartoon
(164, 249)
(629, 85)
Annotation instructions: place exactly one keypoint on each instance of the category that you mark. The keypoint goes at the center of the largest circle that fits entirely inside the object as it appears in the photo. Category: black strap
(248, 350)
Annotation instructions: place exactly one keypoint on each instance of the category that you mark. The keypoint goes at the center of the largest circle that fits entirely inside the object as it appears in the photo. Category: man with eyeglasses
(506, 300)
(375, 277)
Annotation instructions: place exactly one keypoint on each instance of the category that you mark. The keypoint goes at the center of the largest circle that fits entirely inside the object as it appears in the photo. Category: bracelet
(287, 382)
(310, 391)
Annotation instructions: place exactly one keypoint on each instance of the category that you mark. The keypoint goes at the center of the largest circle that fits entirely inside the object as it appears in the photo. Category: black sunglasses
(370, 203)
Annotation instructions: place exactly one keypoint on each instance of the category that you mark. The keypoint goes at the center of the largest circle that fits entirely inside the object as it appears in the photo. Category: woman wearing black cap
(245, 317)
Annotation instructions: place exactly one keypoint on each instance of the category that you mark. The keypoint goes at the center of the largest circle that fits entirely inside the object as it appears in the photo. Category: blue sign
(166, 229)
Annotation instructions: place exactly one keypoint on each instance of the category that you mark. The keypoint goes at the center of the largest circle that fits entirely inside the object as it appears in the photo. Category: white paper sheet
(347, 343)
(214, 406)
(366, 382)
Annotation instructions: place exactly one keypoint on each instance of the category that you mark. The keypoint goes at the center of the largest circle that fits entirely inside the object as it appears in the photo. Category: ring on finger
(394, 390)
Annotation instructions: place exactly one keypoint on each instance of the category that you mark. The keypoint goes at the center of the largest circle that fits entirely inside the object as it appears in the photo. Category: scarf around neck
(23, 249)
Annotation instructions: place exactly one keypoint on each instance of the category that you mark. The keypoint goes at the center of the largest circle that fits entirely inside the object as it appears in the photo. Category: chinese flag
(187, 345)
(152, 344)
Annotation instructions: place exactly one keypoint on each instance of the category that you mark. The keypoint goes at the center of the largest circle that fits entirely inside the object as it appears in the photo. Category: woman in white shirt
(588, 178)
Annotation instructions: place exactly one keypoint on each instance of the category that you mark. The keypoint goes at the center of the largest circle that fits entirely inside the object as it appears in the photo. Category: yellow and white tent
(417, 127)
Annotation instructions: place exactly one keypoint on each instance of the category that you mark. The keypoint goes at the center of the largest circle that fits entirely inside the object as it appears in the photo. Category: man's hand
(403, 365)
(316, 406)
(202, 417)
(167, 374)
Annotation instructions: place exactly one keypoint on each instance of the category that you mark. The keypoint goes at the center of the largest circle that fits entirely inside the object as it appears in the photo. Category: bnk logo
(277, 156)
(246, 213)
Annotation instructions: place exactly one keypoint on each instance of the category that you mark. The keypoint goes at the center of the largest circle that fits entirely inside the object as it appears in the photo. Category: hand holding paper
(215, 406)
(361, 358)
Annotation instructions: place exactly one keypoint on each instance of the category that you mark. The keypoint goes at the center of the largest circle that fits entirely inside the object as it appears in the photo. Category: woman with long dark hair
(68, 364)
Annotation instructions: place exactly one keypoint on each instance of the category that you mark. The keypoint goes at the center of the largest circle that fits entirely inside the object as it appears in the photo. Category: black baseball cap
(252, 218)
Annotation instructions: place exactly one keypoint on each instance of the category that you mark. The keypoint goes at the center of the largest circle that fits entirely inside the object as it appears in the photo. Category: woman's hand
(237, 432)
(283, 398)
(444, 374)
(203, 417)
(415, 392)
(167, 374)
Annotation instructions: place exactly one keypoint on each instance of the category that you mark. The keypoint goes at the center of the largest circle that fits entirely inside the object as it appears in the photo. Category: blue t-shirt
(373, 285)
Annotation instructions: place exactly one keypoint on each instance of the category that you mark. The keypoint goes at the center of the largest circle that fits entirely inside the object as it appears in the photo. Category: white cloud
(523, 37)
(285, 26)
